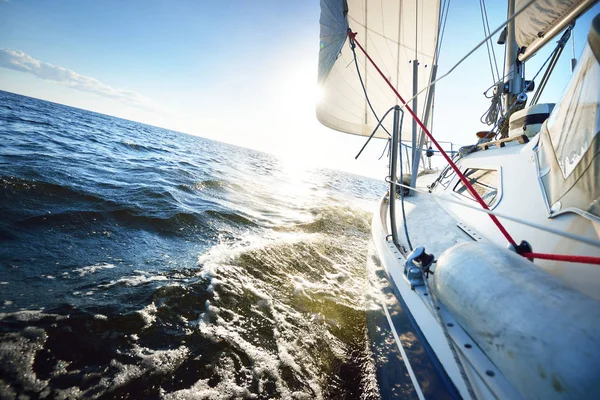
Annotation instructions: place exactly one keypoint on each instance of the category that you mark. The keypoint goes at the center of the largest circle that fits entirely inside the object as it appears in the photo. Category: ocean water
(138, 262)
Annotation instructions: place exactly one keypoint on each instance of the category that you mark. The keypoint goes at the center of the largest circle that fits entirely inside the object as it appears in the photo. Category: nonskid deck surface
(427, 222)
(430, 226)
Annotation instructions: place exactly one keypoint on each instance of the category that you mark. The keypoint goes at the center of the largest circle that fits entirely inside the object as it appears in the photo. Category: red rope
(561, 257)
(464, 180)
(554, 257)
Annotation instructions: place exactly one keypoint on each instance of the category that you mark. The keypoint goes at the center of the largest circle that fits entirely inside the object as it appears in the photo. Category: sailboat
(496, 259)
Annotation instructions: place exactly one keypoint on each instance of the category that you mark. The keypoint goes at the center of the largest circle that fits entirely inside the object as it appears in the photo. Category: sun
(298, 85)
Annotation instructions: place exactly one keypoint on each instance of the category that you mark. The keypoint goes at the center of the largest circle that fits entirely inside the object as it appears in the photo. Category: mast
(415, 62)
(417, 151)
(513, 85)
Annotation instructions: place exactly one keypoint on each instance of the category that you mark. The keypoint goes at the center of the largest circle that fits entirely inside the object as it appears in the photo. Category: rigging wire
(387, 143)
(442, 22)
(487, 23)
(488, 43)
(362, 84)
(491, 114)
(515, 15)
(444, 18)
(374, 131)
(554, 56)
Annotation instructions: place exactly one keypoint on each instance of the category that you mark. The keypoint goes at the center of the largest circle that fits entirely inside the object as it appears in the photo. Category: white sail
(543, 20)
(394, 33)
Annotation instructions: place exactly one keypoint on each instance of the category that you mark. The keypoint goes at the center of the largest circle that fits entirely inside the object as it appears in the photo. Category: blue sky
(236, 71)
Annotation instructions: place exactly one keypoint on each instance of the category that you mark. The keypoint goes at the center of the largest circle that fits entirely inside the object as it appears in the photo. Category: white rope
(411, 373)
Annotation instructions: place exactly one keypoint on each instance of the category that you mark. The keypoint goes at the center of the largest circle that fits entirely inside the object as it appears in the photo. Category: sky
(242, 72)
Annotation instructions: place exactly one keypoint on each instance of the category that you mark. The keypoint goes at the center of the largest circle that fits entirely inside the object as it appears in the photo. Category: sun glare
(319, 93)
(299, 85)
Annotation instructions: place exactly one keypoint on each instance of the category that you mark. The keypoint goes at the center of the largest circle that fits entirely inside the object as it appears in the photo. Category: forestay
(394, 33)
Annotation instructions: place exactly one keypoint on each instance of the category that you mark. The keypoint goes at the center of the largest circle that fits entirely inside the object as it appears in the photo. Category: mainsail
(398, 35)
(543, 20)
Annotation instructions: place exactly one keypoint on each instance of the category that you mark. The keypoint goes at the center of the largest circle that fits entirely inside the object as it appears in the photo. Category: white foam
(263, 361)
(18, 352)
(148, 314)
(162, 361)
(135, 280)
(93, 268)
(335, 276)
(29, 315)
(141, 279)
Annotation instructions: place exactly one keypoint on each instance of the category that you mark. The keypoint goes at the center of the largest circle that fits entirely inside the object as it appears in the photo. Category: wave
(144, 208)
(68, 208)
(231, 217)
(180, 223)
(177, 274)
(15, 119)
(336, 220)
(141, 147)
(91, 269)
(210, 184)
(22, 184)
(280, 318)
(294, 305)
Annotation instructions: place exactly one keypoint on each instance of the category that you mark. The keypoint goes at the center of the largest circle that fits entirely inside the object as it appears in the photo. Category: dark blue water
(141, 262)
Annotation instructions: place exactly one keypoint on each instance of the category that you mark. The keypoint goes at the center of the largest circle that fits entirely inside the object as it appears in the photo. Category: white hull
(419, 305)
(439, 228)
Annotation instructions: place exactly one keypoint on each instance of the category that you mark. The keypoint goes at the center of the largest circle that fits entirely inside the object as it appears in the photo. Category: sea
(139, 262)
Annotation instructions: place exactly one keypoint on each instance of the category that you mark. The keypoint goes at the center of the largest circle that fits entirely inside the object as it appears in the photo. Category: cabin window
(484, 181)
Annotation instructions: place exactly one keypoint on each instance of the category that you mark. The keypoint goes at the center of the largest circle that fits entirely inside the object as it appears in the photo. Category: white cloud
(19, 61)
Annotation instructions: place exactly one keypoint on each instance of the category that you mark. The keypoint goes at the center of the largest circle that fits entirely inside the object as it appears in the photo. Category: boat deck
(428, 223)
